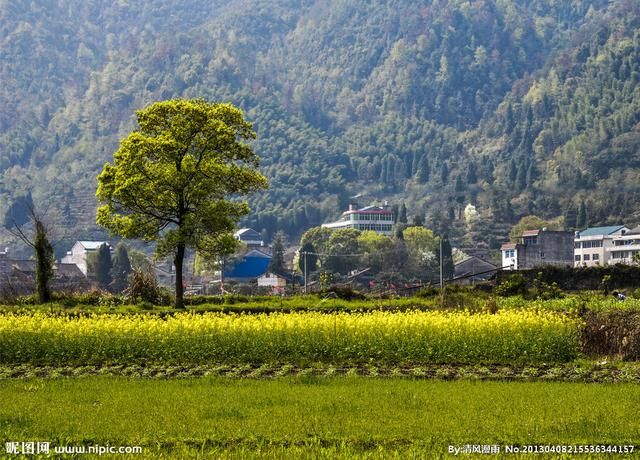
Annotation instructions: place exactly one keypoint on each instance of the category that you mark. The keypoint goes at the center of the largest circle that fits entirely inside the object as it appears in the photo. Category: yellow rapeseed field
(509, 336)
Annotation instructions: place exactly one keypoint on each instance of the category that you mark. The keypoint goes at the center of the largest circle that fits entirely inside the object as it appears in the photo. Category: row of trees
(412, 254)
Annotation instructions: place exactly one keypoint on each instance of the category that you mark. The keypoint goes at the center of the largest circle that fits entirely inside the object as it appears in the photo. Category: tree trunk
(178, 260)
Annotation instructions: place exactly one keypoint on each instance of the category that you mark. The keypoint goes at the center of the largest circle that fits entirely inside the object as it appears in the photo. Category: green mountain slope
(514, 106)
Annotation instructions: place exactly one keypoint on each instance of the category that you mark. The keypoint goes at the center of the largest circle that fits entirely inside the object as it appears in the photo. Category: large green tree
(172, 179)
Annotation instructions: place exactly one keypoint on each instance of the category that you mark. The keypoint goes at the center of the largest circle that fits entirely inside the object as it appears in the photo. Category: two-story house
(536, 248)
(80, 251)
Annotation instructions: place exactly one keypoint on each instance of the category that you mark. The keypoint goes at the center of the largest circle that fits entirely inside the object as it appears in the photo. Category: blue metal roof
(253, 265)
(594, 231)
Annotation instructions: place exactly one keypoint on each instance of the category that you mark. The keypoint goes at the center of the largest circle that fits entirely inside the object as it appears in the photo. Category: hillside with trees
(473, 113)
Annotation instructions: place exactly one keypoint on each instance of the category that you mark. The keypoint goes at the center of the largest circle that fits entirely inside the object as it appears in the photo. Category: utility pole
(222, 277)
(304, 254)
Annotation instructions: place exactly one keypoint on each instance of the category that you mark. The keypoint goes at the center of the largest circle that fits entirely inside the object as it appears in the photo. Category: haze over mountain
(515, 106)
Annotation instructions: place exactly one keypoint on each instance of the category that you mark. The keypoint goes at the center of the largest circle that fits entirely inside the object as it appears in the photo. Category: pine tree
(531, 175)
(570, 218)
(444, 173)
(582, 221)
(521, 178)
(121, 268)
(423, 170)
(44, 262)
(277, 254)
(103, 266)
(402, 218)
(472, 177)
(447, 258)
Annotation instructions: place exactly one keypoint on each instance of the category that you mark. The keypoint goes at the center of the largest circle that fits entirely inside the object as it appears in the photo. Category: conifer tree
(582, 221)
(423, 170)
(444, 173)
(402, 217)
(121, 268)
(44, 262)
(103, 266)
(277, 254)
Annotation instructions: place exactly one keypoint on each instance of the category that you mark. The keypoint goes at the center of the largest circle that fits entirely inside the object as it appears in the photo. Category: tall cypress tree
(570, 218)
(121, 268)
(472, 177)
(277, 254)
(103, 266)
(444, 173)
(582, 221)
(402, 218)
(447, 258)
(44, 262)
(423, 170)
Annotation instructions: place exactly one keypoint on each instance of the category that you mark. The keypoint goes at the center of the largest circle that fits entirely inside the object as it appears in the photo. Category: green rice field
(315, 417)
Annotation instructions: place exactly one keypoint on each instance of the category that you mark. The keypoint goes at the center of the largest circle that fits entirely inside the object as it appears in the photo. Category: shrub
(515, 284)
(144, 287)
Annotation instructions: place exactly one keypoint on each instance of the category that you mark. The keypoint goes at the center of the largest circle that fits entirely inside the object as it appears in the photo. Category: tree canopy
(172, 180)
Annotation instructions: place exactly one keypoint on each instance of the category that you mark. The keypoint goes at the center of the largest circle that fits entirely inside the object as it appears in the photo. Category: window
(592, 244)
(586, 257)
(509, 253)
(577, 258)
(595, 257)
(578, 245)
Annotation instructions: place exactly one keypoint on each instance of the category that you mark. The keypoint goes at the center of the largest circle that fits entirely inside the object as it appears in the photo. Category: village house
(473, 269)
(376, 218)
(78, 254)
(250, 238)
(536, 248)
(18, 276)
(625, 247)
(593, 246)
(277, 283)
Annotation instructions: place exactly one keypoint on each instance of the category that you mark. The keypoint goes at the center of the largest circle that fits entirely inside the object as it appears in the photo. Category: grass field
(317, 417)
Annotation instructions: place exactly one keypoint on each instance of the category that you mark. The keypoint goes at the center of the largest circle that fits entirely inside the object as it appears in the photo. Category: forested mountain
(514, 106)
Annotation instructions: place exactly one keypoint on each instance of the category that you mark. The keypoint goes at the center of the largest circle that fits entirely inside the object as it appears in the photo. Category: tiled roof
(508, 246)
(92, 245)
(248, 234)
(594, 231)
(530, 233)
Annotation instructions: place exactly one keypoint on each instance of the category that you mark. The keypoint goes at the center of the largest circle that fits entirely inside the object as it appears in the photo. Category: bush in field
(144, 287)
(515, 284)
(508, 336)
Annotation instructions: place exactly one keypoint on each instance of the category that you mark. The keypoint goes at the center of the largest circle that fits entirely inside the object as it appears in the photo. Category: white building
(376, 218)
(249, 237)
(625, 247)
(509, 256)
(79, 252)
(593, 246)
